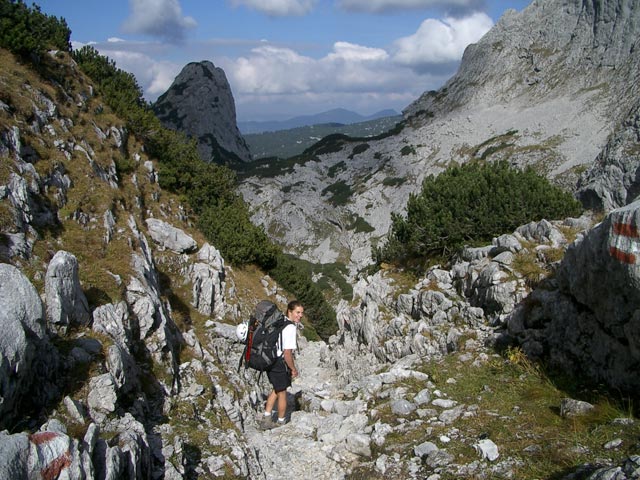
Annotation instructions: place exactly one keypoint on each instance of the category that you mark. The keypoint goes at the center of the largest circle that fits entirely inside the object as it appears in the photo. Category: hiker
(284, 369)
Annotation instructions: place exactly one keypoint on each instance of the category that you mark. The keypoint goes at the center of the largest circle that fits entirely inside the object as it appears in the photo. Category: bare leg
(271, 401)
(282, 403)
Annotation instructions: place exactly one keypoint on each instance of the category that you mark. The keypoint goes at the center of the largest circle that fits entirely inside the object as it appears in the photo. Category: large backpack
(265, 329)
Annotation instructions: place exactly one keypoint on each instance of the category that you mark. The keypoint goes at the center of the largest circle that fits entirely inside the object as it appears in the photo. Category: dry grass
(526, 263)
(518, 408)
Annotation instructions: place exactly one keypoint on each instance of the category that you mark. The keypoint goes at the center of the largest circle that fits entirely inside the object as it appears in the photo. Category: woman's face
(296, 314)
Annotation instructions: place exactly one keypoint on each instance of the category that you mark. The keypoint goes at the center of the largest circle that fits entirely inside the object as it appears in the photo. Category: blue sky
(288, 57)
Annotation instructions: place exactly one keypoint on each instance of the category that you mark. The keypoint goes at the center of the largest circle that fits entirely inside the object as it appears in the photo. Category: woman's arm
(288, 359)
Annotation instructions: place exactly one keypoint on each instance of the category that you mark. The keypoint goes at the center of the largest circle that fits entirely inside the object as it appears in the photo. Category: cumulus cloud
(278, 8)
(159, 18)
(277, 70)
(345, 51)
(152, 75)
(272, 70)
(155, 77)
(378, 6)
(440, 42)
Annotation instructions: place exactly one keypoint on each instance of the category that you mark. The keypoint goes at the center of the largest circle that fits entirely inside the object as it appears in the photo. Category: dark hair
(292, 305)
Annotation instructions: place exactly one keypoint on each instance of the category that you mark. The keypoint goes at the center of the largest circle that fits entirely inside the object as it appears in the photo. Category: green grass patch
(408, 150)
(340, 193)
(516, 404)
(360, 225)
(270, 166)
(393, 181)
(358, 149)
(335, 169)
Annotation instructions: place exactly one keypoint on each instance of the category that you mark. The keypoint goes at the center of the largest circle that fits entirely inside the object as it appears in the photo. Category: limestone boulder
(23, 330)
(601, 270)
(66, 303)
(208, 282)
(168, 236)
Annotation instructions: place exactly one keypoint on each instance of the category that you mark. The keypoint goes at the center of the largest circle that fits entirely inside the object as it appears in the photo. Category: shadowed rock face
(200, 104)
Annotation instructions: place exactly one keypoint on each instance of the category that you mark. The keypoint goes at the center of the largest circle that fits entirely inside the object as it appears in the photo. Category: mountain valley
(513, 358)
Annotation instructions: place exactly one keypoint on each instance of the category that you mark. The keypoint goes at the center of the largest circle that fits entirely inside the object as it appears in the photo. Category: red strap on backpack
(247, 352)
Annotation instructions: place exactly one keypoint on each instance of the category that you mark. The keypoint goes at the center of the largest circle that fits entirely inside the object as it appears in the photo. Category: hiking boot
(278, 423)
(267, 423)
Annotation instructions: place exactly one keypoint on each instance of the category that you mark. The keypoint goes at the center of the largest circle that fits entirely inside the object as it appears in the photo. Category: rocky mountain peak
(549, 49)
(200, 103)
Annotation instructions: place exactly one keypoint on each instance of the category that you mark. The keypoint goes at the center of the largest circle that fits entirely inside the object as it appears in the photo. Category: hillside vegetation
(209, 189)
(219, 212)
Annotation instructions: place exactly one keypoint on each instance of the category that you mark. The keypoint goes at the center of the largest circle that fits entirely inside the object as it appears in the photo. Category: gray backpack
(265, 330)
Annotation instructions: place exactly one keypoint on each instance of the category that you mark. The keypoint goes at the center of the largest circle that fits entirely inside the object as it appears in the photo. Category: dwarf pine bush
(469, 204)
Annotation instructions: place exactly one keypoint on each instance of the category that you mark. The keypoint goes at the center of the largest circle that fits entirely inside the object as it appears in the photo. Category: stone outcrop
(207, 277)
(66, 303)
(155, 324)
(22, 322)
(170, 237)
(590, 323)
(613, 181)
(199, 103)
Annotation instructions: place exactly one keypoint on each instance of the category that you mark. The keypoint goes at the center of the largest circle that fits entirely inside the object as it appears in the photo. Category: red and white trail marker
(624, 243)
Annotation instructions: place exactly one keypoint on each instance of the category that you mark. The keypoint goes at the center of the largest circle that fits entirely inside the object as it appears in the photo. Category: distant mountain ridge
(336, 115)
(287, 143)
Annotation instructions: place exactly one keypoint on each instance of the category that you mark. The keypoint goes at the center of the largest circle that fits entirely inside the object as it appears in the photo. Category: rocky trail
(297, 450)
(335, 426)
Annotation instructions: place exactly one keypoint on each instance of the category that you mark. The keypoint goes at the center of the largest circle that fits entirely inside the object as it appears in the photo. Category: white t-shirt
(289, 340)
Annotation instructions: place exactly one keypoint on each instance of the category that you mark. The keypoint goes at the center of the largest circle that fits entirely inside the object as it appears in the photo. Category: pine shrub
(27, 31)
(469, 204)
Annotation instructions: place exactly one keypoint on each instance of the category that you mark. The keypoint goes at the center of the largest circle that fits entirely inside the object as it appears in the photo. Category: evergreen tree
(27, 31)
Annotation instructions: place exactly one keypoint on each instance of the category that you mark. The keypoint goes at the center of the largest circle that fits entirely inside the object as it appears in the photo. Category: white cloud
(440, 42)
(278, 8)
(159, 18)
(353, 67)
(276, 70)
(356, 53)
(378, 6)
(153, 76)
(272, 70)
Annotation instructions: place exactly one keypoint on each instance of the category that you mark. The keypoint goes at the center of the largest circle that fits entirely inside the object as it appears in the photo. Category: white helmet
(241, 331)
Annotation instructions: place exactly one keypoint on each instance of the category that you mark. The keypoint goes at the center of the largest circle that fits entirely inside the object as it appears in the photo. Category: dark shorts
(279, 375)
